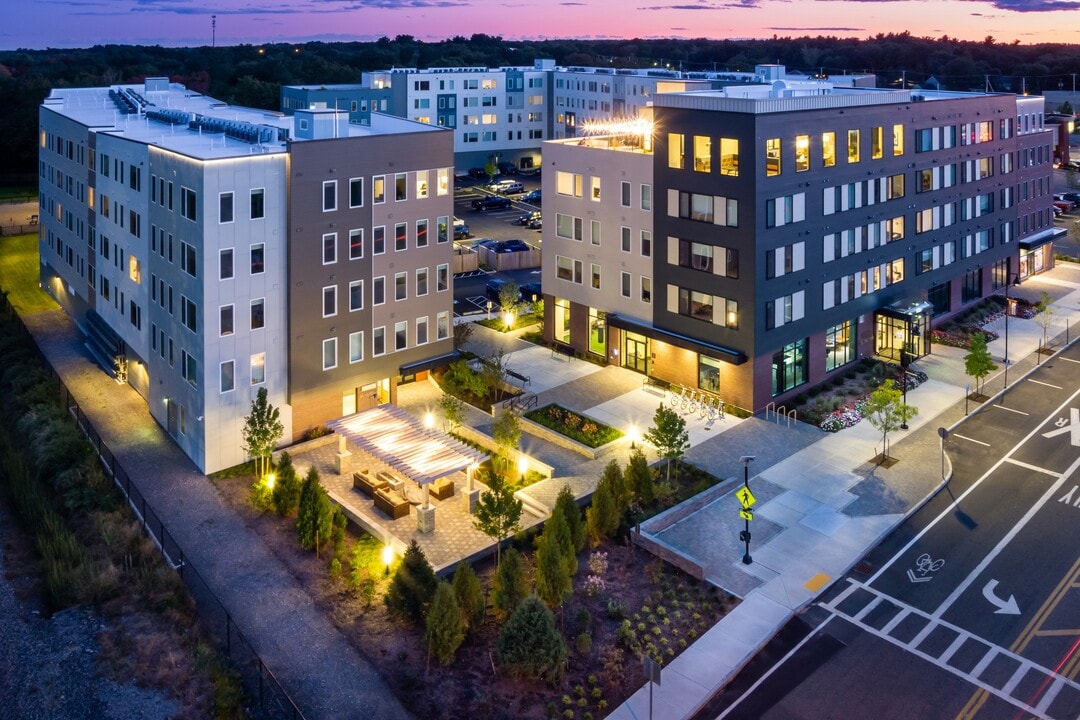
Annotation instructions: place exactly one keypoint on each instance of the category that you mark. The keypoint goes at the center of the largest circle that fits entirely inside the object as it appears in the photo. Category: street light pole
(745, 534)
(1015, 280)
(903, 367)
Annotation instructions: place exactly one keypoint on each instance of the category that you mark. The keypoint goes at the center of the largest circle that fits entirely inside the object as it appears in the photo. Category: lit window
(828, 149)
(676, 151)
(702, 153)
(802, 153)
(772, 157)
(853, 146)
(329, 354)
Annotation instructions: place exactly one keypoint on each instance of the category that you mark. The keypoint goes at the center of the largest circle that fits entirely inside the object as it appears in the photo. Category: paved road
(969, 610)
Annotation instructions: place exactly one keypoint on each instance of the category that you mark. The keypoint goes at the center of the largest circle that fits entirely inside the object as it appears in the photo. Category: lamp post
(745, 534)
(1015, 280)
(905, 360)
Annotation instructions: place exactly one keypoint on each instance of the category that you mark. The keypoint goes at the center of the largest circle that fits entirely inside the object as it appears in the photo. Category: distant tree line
(252, 74)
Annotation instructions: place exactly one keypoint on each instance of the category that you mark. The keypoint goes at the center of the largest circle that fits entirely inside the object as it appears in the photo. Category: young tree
(978, 363)
(602, 516)
(530, 645)
(460, 379)
(1045, 315)
(553, 579)
(639, 477)
(286, 493)
(262, 430)
(510, 586)
(668, 435)
(462, 333)
(613, 476)
(315, 515)
(886, 411)
(445, 627)
(498, 512)
(492, 374)
(453, 410)
(469, 594)
(506, 431)
(567, 506)
(413, 585)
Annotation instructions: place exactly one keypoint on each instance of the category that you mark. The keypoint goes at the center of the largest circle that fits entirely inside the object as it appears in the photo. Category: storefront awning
(429, 363)
(1039, 239)
(907, 309)
(686, 343)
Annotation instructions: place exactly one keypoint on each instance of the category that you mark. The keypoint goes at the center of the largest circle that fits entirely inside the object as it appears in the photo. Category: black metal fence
(269, 698)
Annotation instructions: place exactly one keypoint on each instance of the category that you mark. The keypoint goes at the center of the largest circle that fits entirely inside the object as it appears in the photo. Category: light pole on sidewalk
(745, 534)
(1014, 280)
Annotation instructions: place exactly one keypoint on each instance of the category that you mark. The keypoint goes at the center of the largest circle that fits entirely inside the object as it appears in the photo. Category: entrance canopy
(399, 440)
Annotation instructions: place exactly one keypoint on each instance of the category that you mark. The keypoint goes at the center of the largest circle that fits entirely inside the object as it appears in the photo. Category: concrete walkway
(822, 508)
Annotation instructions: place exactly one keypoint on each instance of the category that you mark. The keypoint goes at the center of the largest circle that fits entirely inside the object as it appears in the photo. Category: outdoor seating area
(442, 489)
(366, 484)
(391, 502)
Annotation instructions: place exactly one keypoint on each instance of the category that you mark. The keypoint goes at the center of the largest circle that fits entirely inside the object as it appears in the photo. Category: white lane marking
(1069, 360)
(1004, 542)
(1040, 382)
(948, 511)
(1006, 407)
(1034, 468)
(965, 437)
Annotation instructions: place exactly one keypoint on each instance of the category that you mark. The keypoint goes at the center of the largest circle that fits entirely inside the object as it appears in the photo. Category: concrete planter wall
(300, 447)
(557, 438)
(488, 443)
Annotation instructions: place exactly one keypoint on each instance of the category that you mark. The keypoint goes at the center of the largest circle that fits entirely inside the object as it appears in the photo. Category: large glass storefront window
(790, 367)
(708, 373)
(635, 354)
(597, 331)
(562, 320)
(972, 289)
(909, 335)
(938, 296)
(839, 345)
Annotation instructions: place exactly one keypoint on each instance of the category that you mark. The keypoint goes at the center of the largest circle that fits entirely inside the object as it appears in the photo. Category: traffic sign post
(651, 670)
(747, 499)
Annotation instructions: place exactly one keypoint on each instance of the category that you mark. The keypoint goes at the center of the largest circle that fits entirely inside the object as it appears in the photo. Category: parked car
(1063, 206)
(479, 173)
(461, 230)
(1065, 198)
(535, 224)
(533, 197)
(506, 187)
(1073, 197)
(1070, 165)
(507, 168)
(528, 217)
(493, 287)
(530, 291)
(494, 202)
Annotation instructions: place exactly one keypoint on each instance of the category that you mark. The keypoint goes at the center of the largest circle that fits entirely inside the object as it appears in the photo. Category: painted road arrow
(1004, 607)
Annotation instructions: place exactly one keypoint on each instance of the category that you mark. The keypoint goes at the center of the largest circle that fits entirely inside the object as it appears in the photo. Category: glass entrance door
(635, 352)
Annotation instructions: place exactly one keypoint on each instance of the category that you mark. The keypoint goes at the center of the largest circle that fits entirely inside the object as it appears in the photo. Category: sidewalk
(822, 508)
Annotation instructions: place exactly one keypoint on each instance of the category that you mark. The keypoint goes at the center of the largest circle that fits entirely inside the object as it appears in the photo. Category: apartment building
(796, 226)
(181, 236)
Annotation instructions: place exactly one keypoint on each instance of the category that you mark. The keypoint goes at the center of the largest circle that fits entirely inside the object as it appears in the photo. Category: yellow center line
(980, 696)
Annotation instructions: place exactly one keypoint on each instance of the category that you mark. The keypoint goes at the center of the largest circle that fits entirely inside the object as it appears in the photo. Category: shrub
(510, 586)
(445, 625)
(413, 586)
(583, 643)
(469, 594)
(529, 645)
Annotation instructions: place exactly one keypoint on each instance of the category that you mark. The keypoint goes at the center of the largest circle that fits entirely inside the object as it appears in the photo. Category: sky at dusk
(40, 24)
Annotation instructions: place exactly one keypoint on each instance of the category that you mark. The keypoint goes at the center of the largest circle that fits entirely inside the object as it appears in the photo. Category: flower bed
(850, 414)
(577, 427)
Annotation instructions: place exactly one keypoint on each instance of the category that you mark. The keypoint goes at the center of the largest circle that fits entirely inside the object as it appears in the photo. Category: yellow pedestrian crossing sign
(746, 497)
(746, 514)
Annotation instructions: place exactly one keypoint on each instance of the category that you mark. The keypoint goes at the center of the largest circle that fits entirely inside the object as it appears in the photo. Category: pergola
(402, 442)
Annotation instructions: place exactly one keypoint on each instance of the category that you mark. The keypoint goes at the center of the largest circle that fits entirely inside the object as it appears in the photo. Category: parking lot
(498, 225)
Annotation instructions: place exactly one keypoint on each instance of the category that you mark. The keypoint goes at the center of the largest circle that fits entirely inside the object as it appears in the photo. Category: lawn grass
(19, 274)
(26, 193)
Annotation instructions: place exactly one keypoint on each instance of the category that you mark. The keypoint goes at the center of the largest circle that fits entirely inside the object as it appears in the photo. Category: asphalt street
(970, 608)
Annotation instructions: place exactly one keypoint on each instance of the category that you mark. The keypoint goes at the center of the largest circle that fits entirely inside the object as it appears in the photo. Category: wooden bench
(658, 387)
(560, 349)
(442, 489)
(391, 503)
(366, 484)
(523, 379)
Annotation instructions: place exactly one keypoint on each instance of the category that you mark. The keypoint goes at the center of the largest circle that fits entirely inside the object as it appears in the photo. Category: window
(329, 301)
(594, 232)
(646, 243)
(188, 259)
(258, 368)
(329, 195)
(785, 210)
(568, 269)
(443, 178)
(356, 295)
(595, 189)
(790, 367)
(707, 258)
(189, 368)
(257, 266)
(401, 237)
(568, 226)
(329, 354)
(258, 318)
(895, 186)
(401, 335)
(421, 183)
(702, 153)
(225, 207)
(356, 192)
(378, 189)
(646, 289)
(401, 187)
(442, 224)
(378, 240)
(828, 149)
(626, 239)
(772, 157)
(708, 208)
(676, 151)
(378, 290)
(188, 314)
(356, 244)
(225, 320)
(442, 325)
(840, 345)
(646, 198)
(708, 308)
(624, 284)
(422, 331)
(625, 191)
(877, 143)
(442, 277)
(378, 341)
(568, 184)
(729, 157)
(188, 204)
(356, 346)
(594, 273)
(853, 146)
(329, 248)
(784, 310)
(421, 233)
(802, 153)
(401, 286)
(421, 282)
(897, 139)
(228, 376)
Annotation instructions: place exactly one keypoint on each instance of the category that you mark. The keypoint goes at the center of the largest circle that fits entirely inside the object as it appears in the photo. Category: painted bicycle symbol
(924, 566)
